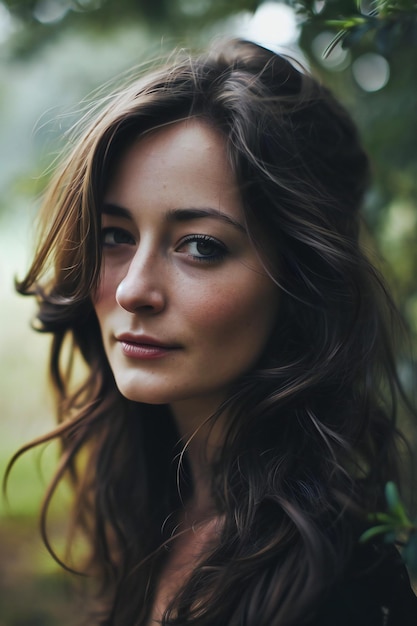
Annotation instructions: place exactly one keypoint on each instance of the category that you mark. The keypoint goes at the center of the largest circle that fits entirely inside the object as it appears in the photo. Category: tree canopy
(391, 23)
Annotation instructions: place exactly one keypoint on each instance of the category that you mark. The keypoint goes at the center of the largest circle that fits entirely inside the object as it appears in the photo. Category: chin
(140, 392)
(144, 398)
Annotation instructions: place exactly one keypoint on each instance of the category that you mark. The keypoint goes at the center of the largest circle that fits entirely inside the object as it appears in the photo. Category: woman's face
(184, 304)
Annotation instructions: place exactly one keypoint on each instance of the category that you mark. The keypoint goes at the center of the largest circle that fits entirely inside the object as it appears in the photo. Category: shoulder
(375, 591)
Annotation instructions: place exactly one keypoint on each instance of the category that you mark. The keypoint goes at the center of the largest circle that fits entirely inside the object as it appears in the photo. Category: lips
(144, 346)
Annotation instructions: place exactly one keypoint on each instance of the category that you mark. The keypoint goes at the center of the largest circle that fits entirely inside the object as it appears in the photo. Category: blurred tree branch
(389, 22)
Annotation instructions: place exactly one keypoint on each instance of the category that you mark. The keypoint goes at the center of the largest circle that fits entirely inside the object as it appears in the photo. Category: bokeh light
(371, 71)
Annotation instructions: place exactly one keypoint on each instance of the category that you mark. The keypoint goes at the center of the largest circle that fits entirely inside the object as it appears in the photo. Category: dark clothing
(375, 592)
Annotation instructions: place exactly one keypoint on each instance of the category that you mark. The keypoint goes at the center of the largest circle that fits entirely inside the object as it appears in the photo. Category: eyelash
(220, 249)
(114, 231)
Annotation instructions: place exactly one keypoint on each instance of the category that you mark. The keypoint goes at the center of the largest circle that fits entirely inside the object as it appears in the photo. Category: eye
(203, 248)
(112, 236)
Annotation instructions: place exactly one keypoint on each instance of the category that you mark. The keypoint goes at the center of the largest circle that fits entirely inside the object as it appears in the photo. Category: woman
(235, 425)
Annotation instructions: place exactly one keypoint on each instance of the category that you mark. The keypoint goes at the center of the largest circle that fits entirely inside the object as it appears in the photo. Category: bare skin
(185, 553)
(199, 525)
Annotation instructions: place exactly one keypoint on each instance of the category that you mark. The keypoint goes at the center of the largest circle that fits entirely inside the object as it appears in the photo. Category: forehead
(196, 141)
(181, 164)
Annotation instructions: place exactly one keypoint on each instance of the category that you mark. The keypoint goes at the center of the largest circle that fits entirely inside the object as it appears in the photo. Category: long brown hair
(311, 438)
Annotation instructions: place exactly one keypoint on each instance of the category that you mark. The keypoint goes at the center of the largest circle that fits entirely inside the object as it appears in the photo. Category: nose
(142, 286)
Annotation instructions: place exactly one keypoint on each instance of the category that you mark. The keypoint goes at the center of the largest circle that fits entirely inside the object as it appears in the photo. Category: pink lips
(143, 347)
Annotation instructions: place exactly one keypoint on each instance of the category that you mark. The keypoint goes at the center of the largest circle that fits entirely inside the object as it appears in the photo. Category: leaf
(329, 49)
(395, 506)
(383, 518)
(374, 531)
(346, 23)
(409, 553)
(392, 495)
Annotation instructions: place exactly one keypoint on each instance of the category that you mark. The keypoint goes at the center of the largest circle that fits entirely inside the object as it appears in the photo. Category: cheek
(225, 313)
(103, 304)
(105, 293)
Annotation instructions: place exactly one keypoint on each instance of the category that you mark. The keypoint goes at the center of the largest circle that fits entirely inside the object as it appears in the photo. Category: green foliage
(391, 25)
(386, 32)
(396, 527)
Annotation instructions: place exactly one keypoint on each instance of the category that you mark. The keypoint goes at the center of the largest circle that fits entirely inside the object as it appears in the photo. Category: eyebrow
(114, 209)
(178, 215)
(185, 215)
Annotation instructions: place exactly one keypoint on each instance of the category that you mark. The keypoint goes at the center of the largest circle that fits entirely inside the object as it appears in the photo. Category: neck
(202, 439)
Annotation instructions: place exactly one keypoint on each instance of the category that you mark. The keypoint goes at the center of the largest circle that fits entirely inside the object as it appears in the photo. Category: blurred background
(53, 55)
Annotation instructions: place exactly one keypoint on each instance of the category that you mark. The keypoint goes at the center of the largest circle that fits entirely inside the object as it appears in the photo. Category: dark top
(376, 591)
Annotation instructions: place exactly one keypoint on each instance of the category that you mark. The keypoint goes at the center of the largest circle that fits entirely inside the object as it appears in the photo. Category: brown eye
(203, 248)
(116, 237)
(206, 248)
